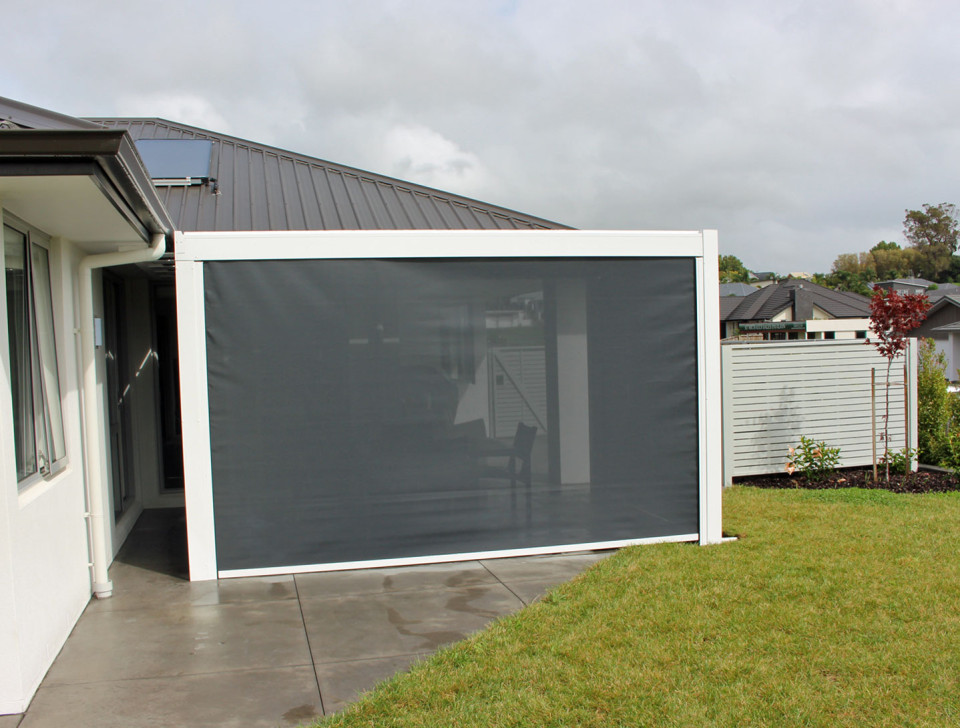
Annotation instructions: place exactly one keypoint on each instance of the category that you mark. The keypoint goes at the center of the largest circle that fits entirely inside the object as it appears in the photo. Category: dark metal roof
(768, 302)
(33, 117)
(257, 187)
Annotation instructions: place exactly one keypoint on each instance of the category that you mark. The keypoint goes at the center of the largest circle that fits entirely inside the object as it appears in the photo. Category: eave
(87, 185)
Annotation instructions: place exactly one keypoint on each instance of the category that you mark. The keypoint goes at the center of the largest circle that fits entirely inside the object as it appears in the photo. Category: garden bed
(923, 481)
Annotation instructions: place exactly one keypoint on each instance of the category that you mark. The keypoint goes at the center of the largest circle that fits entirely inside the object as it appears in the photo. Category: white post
(711, 422)
(194, 406)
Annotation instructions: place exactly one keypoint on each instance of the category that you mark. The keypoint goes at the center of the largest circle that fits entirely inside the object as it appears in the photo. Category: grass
(835, 608)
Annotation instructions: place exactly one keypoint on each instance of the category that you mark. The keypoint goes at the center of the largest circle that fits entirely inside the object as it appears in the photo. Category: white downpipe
(92, 429)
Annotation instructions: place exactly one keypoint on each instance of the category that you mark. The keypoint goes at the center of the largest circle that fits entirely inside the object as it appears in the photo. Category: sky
(799, 130)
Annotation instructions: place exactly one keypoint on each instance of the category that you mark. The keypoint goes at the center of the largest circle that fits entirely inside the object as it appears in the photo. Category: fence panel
(776, 391)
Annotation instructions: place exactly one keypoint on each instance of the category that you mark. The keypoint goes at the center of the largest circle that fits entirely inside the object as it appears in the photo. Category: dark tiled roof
(264, 188)
(728, 305)
(943, 289)
(768, 302)
(944, 301)
(736, 289)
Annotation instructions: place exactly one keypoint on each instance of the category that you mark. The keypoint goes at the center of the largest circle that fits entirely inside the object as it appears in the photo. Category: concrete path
(267, 651)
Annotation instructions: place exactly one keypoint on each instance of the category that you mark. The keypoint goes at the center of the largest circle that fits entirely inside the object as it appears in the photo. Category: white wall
(44, 578)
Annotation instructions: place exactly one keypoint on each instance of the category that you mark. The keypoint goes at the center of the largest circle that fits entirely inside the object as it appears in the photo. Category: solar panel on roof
(176, 158)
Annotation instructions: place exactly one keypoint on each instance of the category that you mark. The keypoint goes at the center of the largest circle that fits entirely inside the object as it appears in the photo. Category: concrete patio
(267, 651)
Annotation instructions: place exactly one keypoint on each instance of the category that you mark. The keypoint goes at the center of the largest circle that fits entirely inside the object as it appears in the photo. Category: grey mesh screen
(365, 410)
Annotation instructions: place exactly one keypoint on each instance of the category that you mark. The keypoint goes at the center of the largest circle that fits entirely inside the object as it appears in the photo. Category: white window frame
(48, 427)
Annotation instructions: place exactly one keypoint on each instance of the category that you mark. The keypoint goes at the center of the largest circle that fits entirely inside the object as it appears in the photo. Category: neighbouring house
(795, 309)
(905, 285)
(933, 291)
(327, 368)
(941, 325)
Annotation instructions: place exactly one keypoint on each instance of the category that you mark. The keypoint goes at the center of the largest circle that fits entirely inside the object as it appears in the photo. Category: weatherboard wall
(774, 392)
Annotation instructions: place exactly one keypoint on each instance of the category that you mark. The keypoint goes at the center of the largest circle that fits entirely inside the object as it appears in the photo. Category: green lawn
(835, 608)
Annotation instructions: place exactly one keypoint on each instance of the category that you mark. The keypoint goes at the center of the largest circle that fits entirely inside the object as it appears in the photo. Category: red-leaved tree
(893, 316)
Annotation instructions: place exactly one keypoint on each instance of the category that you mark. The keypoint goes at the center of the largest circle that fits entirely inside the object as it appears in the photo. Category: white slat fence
(776, 391)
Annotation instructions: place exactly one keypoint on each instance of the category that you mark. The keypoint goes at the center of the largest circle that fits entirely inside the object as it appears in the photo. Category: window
(34, 379)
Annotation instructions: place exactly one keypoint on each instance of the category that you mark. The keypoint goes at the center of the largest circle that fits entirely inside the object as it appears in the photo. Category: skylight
(176, 161)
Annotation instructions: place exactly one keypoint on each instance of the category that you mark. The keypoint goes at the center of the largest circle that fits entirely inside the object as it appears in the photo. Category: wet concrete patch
(403, 578)
(401, 623)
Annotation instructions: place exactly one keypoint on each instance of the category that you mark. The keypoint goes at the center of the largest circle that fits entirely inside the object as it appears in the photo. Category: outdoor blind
(379, 409)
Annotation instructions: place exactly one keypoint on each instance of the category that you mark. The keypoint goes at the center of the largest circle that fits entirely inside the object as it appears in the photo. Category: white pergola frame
(193, 249)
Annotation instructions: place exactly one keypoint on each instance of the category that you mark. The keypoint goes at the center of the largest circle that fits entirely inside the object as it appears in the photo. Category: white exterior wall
(774, 392)
(44, 577)
(842, 328)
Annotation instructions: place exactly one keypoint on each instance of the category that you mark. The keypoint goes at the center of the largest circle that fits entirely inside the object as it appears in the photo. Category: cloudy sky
(800, 130)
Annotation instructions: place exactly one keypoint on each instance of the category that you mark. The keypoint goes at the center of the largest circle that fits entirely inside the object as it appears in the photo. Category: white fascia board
(448, 558)
(358, 244)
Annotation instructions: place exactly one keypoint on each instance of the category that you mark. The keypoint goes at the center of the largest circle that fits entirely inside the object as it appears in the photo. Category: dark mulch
(922, 481)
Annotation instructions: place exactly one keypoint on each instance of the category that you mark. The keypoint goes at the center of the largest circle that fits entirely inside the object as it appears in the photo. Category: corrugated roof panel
(223, 169)
(445, 209)
(411, 206)
(292, 205)
(328, 204)
(484, 220)
(259, 202)
(374, 199)
(342, 202)
(309, 198)
(398, 213)
(365, 217)
(426, 205)
(273, 192)
(465, 219)
(242, 218)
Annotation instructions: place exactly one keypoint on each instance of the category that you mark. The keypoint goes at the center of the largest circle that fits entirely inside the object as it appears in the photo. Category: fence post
(873, 419)
(726, 408)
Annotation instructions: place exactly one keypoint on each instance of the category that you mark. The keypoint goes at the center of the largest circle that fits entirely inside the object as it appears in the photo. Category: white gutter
(92, 429)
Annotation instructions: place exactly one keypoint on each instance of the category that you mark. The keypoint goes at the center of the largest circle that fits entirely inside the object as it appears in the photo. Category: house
(795, 309)
(301, 354)
(905, 285)
(940, 325)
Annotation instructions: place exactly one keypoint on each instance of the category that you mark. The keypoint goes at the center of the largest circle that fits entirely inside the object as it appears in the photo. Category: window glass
(46, 343)
(34, 380)
(18, 332)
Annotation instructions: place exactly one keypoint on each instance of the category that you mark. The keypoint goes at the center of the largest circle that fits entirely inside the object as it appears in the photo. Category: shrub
(900, 460)
(934, 408)
(813, 459)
